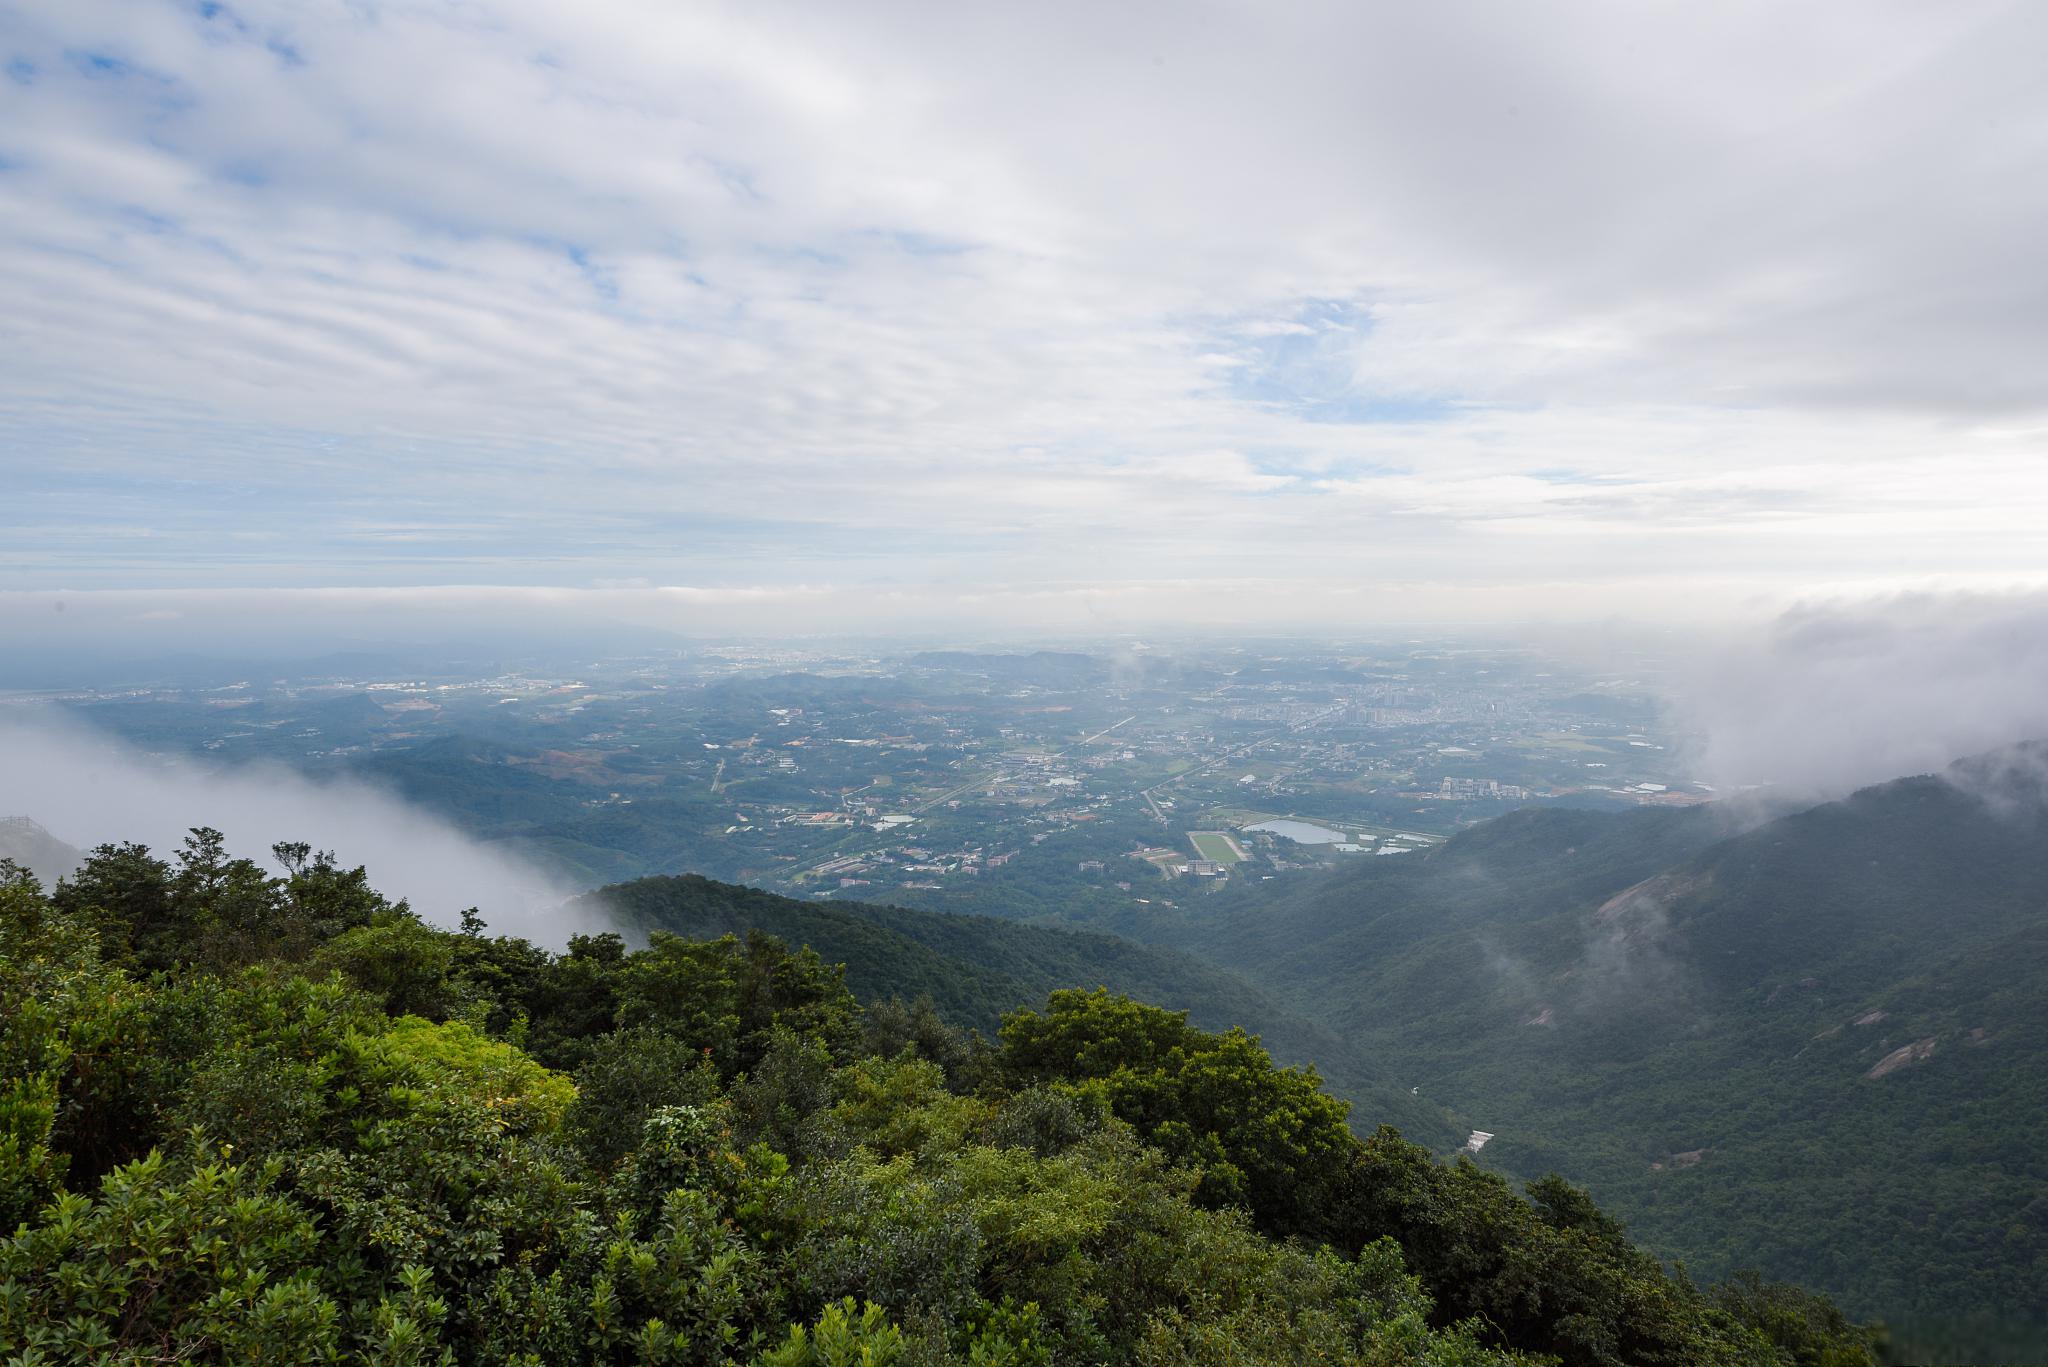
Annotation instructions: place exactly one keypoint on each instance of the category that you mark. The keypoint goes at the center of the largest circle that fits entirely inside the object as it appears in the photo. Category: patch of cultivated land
(1216, 845)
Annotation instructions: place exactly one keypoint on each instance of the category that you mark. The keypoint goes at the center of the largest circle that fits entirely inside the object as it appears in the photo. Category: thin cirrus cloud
(951, 300)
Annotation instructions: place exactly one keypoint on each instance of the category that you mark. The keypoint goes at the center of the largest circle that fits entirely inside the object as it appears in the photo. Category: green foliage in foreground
(246, 1119)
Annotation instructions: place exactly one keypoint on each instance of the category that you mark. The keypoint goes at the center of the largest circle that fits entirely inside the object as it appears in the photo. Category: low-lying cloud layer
(1832, 697)
(129, 625)
(88, 790)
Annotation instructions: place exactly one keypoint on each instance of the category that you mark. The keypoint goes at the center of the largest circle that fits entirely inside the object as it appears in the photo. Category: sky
(834, 316)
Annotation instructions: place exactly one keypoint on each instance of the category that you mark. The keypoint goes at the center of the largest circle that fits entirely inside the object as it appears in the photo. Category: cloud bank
(88, 790)
(132, 625)
(1835, 696)
(511, 292)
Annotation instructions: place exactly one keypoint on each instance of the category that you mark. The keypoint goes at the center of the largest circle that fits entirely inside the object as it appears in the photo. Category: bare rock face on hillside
(1642, 909)
(1628, 950)
(1919, 1051)
(35, 849)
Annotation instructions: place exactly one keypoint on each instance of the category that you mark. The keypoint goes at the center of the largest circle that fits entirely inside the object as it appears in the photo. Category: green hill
(1815, 1046)
(278, 1119)
(976, 968)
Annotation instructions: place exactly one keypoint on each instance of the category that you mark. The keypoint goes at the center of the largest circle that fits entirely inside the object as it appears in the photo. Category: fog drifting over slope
(89, 789)
(1831, 697)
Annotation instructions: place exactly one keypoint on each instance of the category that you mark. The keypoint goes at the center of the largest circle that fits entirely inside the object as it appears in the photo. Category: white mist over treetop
(90, 790)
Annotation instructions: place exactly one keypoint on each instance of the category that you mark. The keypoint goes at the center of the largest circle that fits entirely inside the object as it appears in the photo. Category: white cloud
(1846, 691)
(422, 292)
(90, 790)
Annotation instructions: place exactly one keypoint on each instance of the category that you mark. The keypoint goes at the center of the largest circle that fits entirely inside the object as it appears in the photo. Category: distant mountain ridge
(1818, 1043)
(23, 840)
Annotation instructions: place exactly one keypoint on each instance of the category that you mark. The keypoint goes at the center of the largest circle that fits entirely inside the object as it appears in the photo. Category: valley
(1785, 1042)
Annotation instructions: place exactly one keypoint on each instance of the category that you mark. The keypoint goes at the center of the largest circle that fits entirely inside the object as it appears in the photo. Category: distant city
(937, 777)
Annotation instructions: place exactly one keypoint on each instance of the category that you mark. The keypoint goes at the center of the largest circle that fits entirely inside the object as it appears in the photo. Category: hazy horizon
(505, 329)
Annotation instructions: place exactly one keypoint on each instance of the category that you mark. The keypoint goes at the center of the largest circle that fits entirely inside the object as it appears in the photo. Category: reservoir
(1301, 832)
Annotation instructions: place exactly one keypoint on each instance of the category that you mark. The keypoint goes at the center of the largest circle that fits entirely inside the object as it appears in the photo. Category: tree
(127, 891)
(1260, 1136)
(74, 1044)
(843, 1337)
(727, 996)
(196, 1261)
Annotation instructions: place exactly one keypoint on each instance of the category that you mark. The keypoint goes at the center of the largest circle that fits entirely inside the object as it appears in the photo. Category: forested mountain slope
(1819, 1046)
(251, 1118)
(976, 968)
(1525, 866)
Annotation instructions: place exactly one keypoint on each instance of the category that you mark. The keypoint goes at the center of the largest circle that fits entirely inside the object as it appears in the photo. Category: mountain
(320, 1130)
(35, 849)
(1817, 1045)
(976, 968)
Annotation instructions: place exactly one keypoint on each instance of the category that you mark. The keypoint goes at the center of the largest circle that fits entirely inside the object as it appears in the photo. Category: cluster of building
(911, 866)
(1470, 789)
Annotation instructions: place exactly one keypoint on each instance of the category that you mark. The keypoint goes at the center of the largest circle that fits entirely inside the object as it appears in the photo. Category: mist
(88, 789)
(1832, 697)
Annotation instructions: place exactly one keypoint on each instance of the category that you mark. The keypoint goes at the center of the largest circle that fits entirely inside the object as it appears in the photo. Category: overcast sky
(829, 313)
